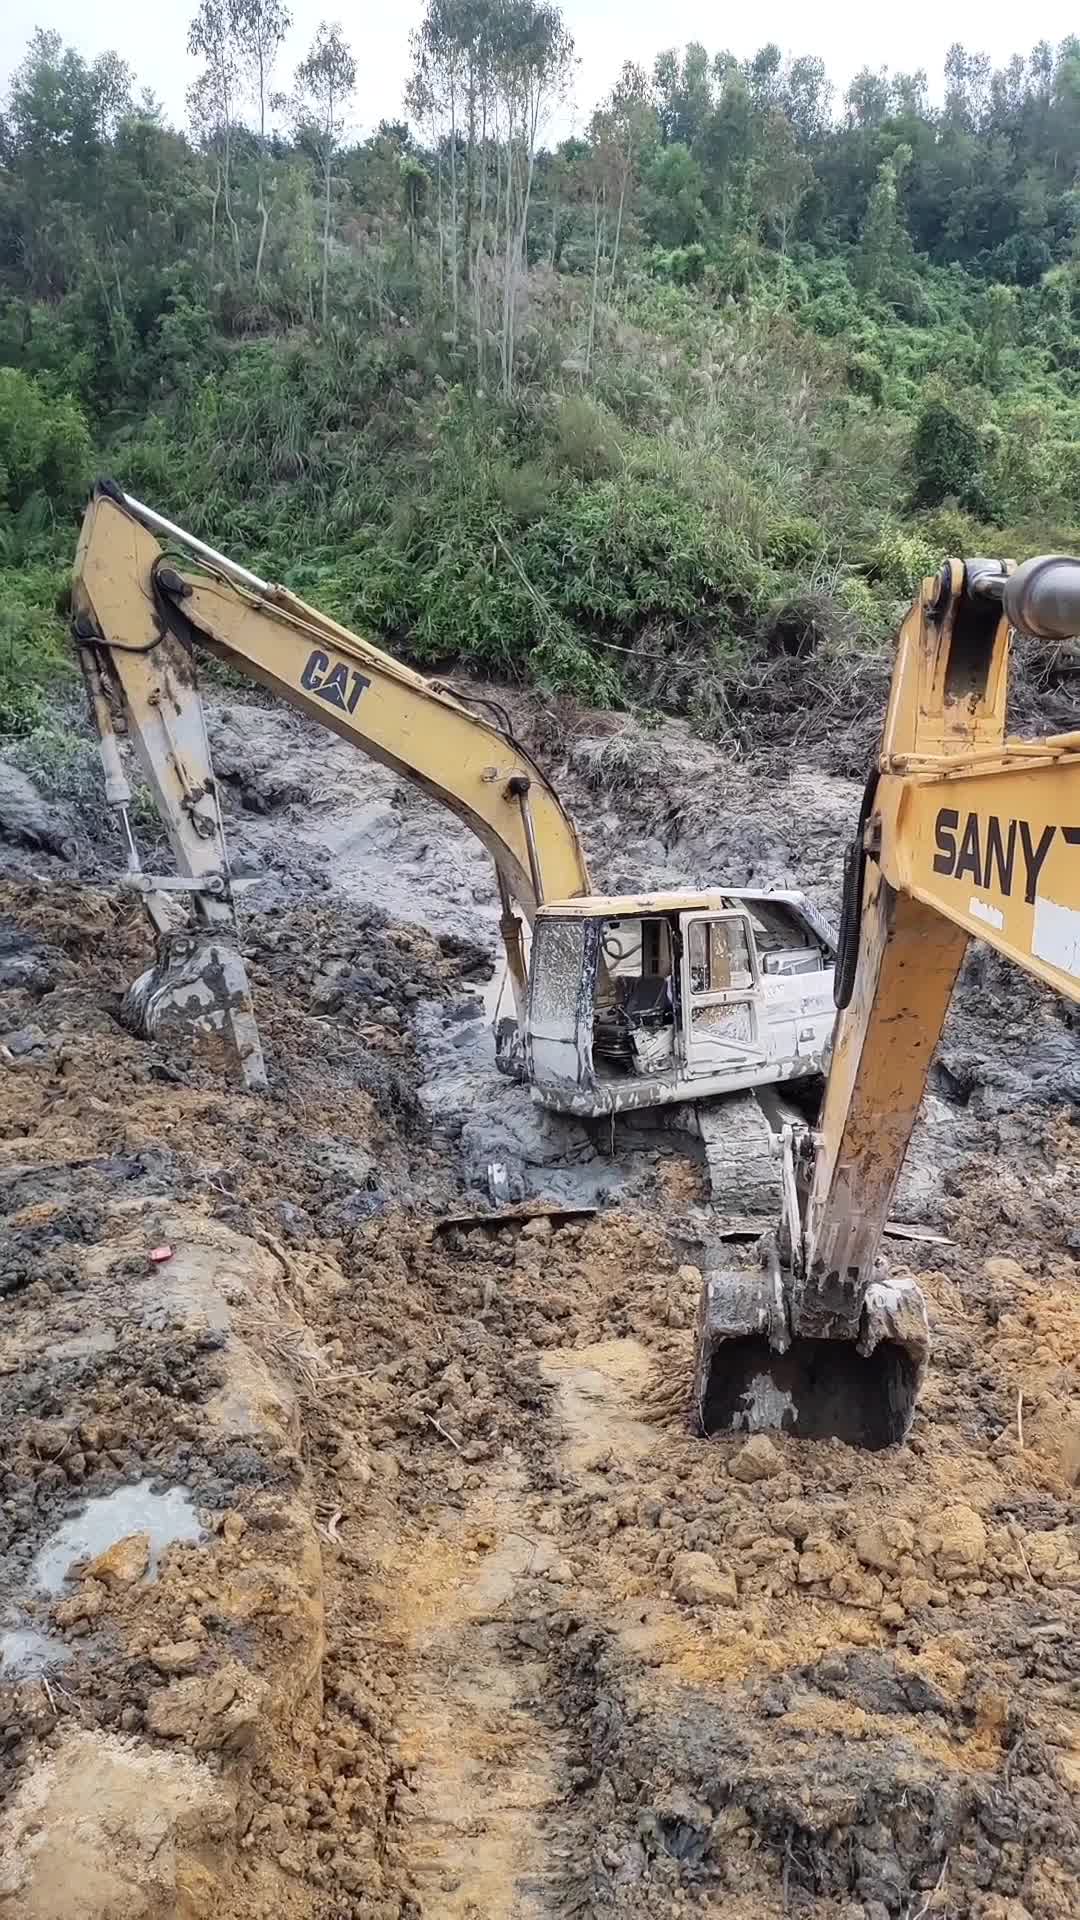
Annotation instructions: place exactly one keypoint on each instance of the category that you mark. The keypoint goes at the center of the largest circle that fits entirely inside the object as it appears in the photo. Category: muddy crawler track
(476, 1630)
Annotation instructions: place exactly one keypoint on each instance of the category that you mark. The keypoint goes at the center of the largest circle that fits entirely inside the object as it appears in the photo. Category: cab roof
(612, 906)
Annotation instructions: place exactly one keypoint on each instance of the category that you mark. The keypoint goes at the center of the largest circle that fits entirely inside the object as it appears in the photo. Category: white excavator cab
(636, 1001)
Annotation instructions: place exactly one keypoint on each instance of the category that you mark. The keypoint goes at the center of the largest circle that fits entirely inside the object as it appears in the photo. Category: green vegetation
(671, 413)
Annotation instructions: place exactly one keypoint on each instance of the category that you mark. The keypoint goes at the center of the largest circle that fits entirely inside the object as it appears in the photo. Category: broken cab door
(558, 1041)
(720, 994)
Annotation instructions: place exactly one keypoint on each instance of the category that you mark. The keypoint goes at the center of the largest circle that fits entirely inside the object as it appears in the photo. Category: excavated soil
(463, 1622)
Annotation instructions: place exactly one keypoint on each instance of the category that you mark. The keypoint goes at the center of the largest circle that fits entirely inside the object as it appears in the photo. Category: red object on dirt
(158, 1254)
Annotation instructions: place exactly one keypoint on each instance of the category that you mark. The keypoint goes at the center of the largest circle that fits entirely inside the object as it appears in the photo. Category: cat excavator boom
(623, 1001)
(962, 833)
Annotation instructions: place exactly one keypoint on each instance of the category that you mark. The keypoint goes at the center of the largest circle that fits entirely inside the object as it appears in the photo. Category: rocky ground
(359, 1562)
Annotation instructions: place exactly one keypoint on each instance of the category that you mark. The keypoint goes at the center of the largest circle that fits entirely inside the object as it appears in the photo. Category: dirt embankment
(456, 1618)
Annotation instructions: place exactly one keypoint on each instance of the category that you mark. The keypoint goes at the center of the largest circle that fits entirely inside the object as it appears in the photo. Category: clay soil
(475, 1628)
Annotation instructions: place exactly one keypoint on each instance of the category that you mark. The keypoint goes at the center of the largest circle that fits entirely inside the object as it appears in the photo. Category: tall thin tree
(325, 82)
(533, 58)
(212, 34)
(261, 26)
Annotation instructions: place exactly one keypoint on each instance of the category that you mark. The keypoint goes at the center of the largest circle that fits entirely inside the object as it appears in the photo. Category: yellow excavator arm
(137, 622)
(962, 832)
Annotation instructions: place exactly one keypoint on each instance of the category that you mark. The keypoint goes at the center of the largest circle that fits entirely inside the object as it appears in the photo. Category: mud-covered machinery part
(509, 1051)
(198, 990)
(754, 1374)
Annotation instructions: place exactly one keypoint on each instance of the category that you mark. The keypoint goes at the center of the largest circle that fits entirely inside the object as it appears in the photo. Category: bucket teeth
(896, 1311)
(198, 988)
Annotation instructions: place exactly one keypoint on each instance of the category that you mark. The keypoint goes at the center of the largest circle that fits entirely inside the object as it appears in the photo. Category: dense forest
(660, 413)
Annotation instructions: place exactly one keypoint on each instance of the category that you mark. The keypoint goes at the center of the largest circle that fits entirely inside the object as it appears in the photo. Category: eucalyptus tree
(325, 83)
(213, 104)
(260, 27)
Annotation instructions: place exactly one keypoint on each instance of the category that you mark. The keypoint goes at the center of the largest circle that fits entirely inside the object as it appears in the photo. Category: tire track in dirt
(480, 1773)
(480, 1823)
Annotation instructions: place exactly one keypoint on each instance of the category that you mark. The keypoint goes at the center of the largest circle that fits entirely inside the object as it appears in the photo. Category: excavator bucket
(753, 1373)
(198, 989)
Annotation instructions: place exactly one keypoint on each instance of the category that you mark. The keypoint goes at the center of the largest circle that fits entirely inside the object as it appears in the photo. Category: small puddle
(25, 1654)
(164, 1516)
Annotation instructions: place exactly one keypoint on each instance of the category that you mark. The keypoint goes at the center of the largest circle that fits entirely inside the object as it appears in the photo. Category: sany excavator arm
(137, 622)
(962, 832)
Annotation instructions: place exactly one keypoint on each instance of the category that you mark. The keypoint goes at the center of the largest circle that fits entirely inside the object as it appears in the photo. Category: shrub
(946, 458)
(523, 490)
(899, 559)
(796, 541)
(44, 445)
(184, 346)
(34, 658)
(584, 439)
(866, 376)
(50, 343)
(949, 532)
(678, 266)
(867, 608)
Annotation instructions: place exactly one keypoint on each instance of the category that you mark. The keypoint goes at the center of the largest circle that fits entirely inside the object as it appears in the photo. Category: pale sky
(152, 39)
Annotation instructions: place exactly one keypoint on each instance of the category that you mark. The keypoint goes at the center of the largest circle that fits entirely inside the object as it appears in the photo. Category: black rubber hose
(847, 943)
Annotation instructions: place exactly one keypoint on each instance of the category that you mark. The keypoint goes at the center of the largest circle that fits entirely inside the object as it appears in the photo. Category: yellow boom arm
(963, 832)
(136, 621)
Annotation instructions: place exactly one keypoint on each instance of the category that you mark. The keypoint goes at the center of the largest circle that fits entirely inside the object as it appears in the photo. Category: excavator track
(738, 1143)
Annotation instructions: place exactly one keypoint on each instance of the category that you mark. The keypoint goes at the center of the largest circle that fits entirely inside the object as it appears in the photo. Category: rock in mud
(25, 1046)
(1052, 1558)
(121, 1564)
(295, 1222)
(915, 1594)
(176, 1657)
(881, 1545)
(699, 1582)
(819, 1562)
(219, 1714)
(21, 963)
(757, 1459)
(503, 1125)
(89, 1599)
(875, 1682)
(28, 820)
(1048, 1070)
(961, 1546)
(360, 1205)
(796, 1518)
(46, 1438)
